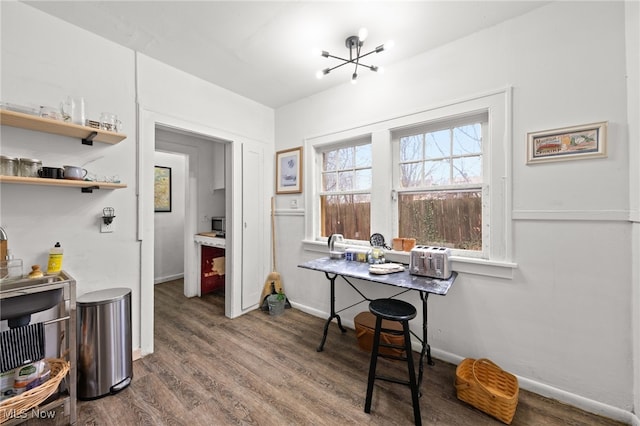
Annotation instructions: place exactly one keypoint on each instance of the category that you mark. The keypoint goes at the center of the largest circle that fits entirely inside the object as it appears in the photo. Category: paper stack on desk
(386, 268)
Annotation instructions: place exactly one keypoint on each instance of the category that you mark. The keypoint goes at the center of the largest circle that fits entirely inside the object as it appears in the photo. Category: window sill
(462, 265)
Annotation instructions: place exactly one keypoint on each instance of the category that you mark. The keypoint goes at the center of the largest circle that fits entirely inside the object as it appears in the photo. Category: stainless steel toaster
(430, 262)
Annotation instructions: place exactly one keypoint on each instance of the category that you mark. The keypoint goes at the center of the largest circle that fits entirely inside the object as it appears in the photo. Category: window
(439, 183)
(441, 176)
(345, 195)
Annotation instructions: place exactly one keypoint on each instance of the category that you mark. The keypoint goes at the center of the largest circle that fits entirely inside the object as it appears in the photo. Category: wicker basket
(365, 325)
(19, 404)
(487, 387)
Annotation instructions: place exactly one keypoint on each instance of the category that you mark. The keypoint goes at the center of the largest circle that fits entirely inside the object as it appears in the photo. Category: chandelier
(354, 43)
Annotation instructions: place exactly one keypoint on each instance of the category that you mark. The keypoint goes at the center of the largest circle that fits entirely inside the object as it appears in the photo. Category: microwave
(219, 226)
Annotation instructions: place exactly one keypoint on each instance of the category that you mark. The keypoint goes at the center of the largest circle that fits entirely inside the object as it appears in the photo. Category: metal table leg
(332, 279)
(426, 348)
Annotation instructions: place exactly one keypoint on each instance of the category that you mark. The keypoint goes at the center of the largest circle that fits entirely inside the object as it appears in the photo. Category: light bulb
(380, 70)
(316, 51)
(389, 45)
(354, 78)
(322, 73)
(362, 34)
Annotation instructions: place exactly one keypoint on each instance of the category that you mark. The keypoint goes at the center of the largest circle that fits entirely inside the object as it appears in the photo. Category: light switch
(293, 204)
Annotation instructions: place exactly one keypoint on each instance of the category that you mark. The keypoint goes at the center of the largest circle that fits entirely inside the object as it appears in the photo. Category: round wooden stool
(402, 312)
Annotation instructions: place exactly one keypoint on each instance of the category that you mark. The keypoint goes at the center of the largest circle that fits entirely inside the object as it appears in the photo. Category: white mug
(74, 173)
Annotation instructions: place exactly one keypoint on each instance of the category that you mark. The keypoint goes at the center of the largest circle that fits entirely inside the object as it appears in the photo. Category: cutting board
(208, 234)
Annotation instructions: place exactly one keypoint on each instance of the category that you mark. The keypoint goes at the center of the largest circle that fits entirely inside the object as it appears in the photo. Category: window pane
(411, 148)
(363, 179)
(345, 158)
(442, 218)
(436, 172)
(329, 181)
(467, 170)
(438, 144)
(348, 215)
(345, 180)
(363, 155)
(329, 160)
(467, 139)
(411, 175)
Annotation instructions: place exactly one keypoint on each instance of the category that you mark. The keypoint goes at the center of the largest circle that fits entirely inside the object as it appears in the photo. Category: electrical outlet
(104, 228)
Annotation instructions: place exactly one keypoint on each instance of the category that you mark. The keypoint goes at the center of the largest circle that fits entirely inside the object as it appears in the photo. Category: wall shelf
(88, 135)
(86, 186)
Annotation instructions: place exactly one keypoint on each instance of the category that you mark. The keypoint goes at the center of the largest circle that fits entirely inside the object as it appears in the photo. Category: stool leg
(372, 365)
(412, 375)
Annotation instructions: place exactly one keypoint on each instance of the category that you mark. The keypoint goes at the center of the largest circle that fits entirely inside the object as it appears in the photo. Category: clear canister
(29, 167)
(8, 166)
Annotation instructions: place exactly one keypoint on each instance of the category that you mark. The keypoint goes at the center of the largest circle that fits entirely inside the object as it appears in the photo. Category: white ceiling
(263, 49)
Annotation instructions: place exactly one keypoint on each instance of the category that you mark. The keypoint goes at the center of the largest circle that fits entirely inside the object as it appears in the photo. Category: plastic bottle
(55, 259)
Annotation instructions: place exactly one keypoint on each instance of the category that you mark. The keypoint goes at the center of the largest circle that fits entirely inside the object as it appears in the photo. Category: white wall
(632, 29)
(43, 61)
(168, 259)
(562, 323)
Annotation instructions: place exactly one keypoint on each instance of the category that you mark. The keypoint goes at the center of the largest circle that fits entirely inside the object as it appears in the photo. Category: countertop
(209, 239)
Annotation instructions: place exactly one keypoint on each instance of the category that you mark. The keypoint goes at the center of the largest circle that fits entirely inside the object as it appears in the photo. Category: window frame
(433, 126)
(496, 260)
(320, 150)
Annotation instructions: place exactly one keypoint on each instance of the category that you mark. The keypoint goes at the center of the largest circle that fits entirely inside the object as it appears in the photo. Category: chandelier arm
(338, 66)
(355, 71)
(366, 54)
(338, 57)
(350, 62)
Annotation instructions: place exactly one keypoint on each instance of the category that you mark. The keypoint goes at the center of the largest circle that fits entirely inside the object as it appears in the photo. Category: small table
(333, 268)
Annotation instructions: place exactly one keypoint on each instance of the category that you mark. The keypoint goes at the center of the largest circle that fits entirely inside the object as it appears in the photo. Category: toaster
(430, 262)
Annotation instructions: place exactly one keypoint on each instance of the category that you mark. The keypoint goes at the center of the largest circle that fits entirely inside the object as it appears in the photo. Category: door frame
(148, 120)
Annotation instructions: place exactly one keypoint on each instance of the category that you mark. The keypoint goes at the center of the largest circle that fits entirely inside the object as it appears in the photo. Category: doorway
(200, 179)
(243, 280)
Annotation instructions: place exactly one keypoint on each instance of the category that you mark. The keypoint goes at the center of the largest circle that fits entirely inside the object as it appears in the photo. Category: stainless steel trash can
(105, 364)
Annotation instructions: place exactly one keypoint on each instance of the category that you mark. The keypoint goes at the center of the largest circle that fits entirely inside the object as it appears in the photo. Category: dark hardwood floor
(263, 370)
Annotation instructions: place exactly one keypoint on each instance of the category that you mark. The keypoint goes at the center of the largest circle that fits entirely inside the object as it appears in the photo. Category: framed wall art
(162, 189)
(289, 171)
(569, 143)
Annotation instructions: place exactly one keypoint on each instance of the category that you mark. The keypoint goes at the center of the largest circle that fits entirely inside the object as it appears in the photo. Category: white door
(254, 251)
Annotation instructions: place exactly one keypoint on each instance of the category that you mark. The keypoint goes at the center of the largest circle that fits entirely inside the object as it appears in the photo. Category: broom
(273, 283)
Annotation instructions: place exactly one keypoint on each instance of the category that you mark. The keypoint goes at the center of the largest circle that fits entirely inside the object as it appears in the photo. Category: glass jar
(8, 166)
(29, 167)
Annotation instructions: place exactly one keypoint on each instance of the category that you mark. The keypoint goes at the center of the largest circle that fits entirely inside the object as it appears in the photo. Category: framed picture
(570, 143)
(162, 189)
(289, 171)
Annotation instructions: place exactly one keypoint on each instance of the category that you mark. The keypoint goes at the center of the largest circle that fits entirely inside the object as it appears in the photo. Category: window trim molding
(497, 184)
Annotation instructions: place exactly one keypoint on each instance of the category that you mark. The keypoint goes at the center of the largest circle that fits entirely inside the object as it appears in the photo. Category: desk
(333, 268)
